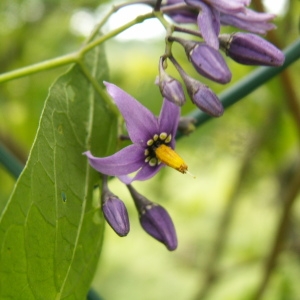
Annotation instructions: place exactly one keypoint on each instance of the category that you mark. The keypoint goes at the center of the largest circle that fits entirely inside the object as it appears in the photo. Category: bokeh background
(238, 222)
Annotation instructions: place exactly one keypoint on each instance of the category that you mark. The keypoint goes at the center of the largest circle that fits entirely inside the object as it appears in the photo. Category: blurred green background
(246, 163)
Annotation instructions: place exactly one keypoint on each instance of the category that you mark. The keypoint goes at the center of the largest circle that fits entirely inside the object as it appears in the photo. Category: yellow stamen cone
(169, 157)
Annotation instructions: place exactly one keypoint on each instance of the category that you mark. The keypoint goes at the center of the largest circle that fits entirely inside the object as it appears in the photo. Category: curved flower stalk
(153, 140)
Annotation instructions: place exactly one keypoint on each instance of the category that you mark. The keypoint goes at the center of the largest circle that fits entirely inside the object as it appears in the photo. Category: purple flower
(209, 16)
(114, 210)
(214, 13)
(249, 20)
(153, 140)
(250, 49)
(155, 220)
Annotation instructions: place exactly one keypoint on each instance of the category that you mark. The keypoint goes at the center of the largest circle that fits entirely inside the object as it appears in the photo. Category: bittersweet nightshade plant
(153, 140)
(51, 209)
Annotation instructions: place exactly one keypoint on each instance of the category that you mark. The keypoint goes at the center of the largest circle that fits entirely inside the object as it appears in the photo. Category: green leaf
(51, 229)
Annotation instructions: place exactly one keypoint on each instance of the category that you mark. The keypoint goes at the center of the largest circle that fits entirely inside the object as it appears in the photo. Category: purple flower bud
(116, 215)
(203, 97)
(155, 220)
(170, 88)
(250, 49)
(114, 211)
(206, 60)
(210, 63)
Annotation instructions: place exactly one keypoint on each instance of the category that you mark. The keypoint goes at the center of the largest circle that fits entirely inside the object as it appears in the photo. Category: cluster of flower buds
(205, 56)
(154, 218)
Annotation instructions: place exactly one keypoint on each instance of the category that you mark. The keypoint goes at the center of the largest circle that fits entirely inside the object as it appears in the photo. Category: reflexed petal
(168, 119)
(126, 161)
(145, 173)
(226, 6)
(141, 123)
(184, 15)
(209, 25)
(250, 20)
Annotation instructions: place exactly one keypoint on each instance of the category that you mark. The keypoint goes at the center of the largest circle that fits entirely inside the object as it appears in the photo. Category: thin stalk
(157, 5)
(39, 67)
(72, 57)
(97, 87)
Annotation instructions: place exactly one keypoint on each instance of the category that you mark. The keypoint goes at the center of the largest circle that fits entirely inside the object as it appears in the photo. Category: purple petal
(141, 123)
(250, 20)
(209, 25)
(226, 6)
(168, 119)
(124, 162)
(183, 15)
(145, 173)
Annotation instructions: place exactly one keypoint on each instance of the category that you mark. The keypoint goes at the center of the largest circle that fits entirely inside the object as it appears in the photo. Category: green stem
(251, 82)
(39, 67)
(72, 57)
(97, 87)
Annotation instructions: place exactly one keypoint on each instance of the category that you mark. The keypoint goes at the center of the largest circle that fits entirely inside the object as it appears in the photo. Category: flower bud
(114, 211)
(155, 220)
(170, 88)
(206, 60)
(250, 49)
(203, 97)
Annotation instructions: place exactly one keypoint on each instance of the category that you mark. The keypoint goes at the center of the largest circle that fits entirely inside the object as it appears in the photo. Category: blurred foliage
(245, 163)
